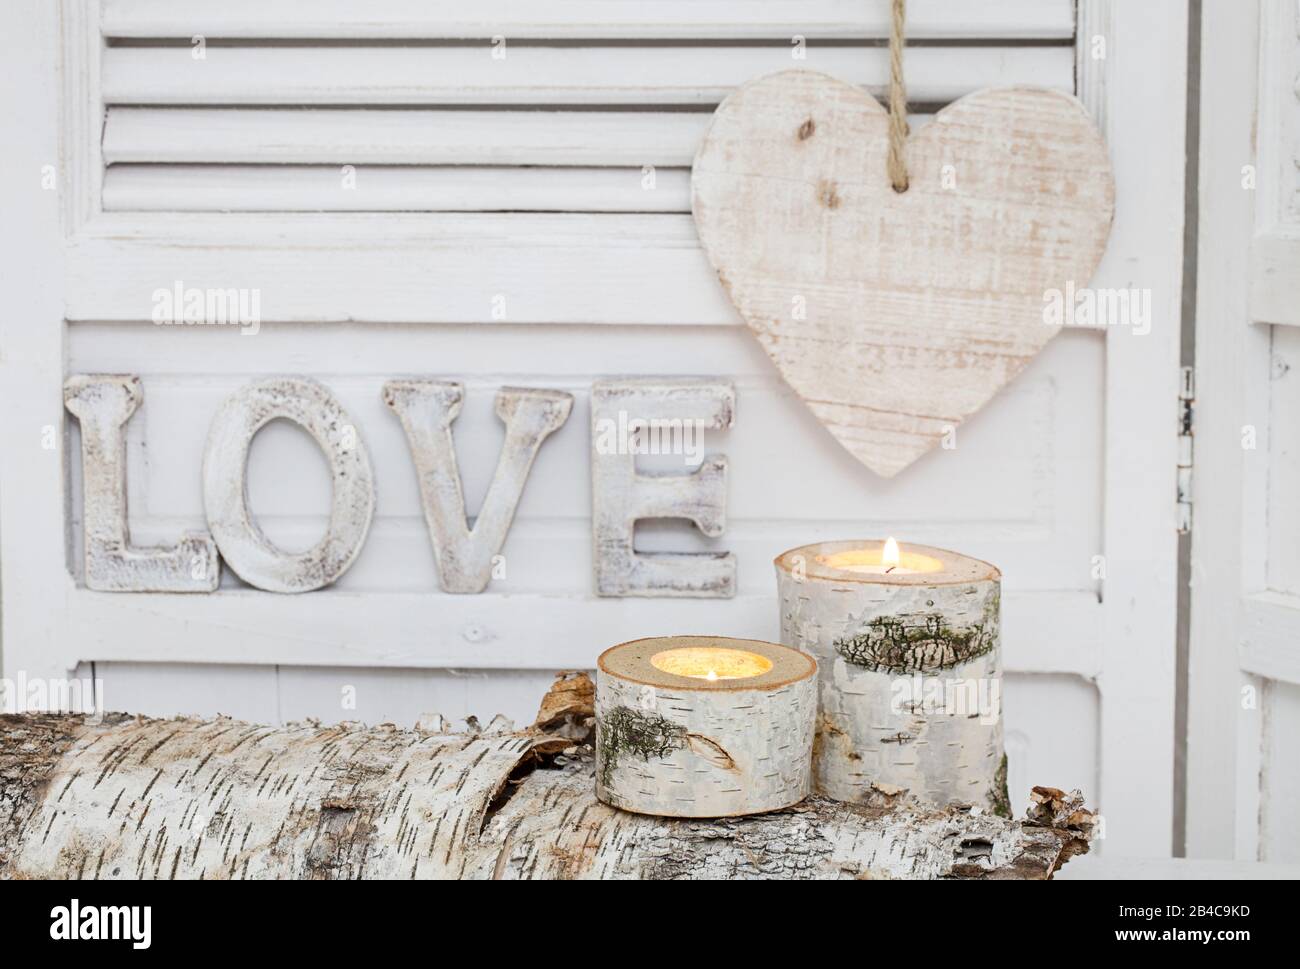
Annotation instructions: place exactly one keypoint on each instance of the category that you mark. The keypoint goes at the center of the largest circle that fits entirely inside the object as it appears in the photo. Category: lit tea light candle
(908, 643)
(704, 726)
(885, 560)
(711, 663)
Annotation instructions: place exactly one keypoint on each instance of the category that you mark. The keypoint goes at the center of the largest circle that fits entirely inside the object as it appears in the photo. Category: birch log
(910, 672)
(670, 743)
(129, 797)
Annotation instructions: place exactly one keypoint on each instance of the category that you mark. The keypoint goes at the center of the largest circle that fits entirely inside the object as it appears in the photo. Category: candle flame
(889, 557)
(711, 675)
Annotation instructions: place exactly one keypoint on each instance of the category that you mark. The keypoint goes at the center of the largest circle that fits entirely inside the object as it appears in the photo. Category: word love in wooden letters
(103, 403)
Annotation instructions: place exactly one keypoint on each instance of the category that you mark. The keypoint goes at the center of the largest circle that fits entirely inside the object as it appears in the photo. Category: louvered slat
(544, 75)
(402, 137)
(662, 19)
(417, 98)
(296, 188)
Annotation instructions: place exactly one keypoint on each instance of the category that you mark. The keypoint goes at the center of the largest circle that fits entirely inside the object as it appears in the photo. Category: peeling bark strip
(222, 799)
(427, 409)
(911, 677)
(31, 747)
(103, 403)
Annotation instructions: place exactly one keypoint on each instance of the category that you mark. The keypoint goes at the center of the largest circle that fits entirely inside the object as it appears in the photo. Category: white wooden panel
(1051, 735)
(1270, 636)
(1281, 449)
(415, 19)
(1097, 867)
(562, 268)
(1279, 834)
(402, 697)
(163, 690)
(1275, 250)
(32, 514)
(1274, 282)
(1277, 160)
(1146, 134)
(1022, 503)
(1231, 512)
(361, 136)
(277, 695)
(297, 188)
(1044, 632)
(565, 268)
(544, 75)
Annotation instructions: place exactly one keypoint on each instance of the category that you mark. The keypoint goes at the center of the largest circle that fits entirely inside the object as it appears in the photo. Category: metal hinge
(1186, 414)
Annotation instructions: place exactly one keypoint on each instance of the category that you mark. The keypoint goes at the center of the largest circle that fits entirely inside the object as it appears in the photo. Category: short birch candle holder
(908, 644)
(704, 726)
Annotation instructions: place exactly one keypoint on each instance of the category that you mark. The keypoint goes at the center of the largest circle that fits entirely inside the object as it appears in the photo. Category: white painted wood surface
(591, 74)
(1275, 244)
(1145, 129)
(402, 136)
(1245, 622)
(502, 57)
(348, 298)
(896, 316)
(294, 188)
(676, 19)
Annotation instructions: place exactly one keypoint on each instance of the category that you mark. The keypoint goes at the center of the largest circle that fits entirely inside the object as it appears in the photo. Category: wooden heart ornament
(895, 316)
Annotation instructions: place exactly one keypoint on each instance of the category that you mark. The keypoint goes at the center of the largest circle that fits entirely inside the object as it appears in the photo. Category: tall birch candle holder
(704, 726)
(908, 644)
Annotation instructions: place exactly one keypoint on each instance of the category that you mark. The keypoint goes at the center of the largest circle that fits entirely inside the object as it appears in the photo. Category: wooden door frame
(1220, 824)
(1139, 98)
(1242, 635)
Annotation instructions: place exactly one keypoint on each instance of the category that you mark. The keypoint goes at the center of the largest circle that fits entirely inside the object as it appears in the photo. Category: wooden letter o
(225, 464)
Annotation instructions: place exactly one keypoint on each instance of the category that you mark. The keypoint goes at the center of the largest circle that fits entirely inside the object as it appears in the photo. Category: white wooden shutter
(1244, 696)
(519, 183)
(559, 114)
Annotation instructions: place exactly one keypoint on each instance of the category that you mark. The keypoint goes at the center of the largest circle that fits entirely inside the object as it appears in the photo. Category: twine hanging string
(897, 100)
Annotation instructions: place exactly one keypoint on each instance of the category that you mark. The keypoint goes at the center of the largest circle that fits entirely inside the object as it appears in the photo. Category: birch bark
(135, 798)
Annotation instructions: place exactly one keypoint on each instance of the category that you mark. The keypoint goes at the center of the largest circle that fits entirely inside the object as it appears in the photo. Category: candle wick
(890, 569)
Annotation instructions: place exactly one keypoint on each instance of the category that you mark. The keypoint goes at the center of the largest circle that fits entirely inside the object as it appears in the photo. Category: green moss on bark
(626, 732)
(920, 642)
